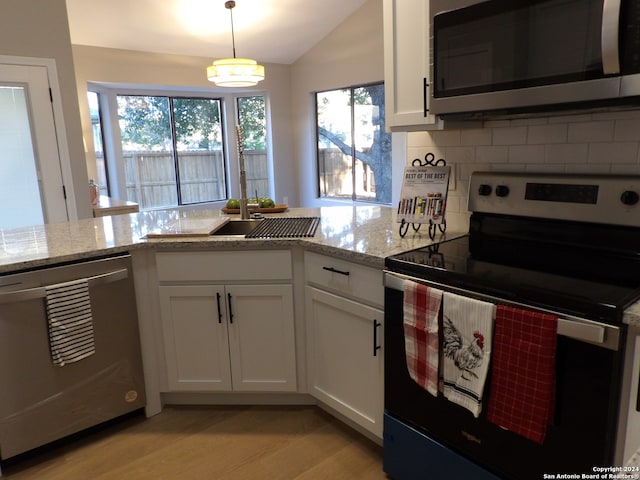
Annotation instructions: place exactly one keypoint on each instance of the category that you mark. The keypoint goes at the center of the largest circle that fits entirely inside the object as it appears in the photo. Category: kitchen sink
(237, 228)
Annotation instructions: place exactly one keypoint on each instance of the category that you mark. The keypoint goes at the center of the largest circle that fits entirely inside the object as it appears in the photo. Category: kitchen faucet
(245, 206)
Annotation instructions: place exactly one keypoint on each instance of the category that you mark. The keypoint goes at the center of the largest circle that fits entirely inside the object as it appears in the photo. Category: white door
(262, 338)
(31, 187)
(345, 371)
(194, 325)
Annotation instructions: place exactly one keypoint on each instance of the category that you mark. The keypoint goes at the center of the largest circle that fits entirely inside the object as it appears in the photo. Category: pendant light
(235, 72)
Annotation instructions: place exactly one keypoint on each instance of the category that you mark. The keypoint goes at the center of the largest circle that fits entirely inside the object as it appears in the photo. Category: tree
(378, 154)
(251, 111)
(145, 122)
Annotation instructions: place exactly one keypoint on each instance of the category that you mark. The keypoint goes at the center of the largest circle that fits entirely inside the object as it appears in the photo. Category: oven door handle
(581, 329)
(585, 332)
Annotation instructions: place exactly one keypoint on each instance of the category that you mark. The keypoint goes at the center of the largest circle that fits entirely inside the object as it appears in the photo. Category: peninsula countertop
(364, 233)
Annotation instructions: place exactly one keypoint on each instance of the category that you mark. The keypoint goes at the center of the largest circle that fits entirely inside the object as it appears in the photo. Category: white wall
(39, 28)
(350, 55)
(123, 69)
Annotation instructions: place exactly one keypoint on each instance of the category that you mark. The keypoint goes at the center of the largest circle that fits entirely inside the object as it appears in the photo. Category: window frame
(113, 143)
(354, 195)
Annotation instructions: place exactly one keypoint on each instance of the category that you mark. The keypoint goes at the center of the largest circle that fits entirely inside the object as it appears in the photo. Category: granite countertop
(366, 234)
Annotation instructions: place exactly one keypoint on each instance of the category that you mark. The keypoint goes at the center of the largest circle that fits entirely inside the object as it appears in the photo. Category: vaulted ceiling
(270, 31)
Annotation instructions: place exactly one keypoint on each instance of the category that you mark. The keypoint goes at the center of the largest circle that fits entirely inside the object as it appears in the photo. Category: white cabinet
(345, 338)
(227, 337)
(406, 65)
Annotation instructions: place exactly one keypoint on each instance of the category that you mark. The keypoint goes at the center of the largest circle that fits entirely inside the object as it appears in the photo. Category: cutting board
(188, 227)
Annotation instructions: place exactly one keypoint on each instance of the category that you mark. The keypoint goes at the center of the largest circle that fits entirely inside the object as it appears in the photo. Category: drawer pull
(333, 270)
(376, 347)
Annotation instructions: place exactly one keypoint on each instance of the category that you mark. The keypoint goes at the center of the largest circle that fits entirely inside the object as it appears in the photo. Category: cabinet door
(406, 65)
(194, 326)
(346, 370)
(261, 337)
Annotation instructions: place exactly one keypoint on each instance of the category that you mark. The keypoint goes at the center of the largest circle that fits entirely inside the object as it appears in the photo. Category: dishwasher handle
(41, 292)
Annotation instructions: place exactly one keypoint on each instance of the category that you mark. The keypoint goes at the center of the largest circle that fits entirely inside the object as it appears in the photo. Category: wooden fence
(335, 175)
(151, 177)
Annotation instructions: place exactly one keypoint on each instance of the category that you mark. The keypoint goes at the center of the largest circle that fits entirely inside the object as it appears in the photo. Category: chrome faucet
(244, 207)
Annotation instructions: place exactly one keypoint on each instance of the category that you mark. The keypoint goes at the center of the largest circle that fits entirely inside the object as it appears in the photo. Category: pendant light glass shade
(235, 72)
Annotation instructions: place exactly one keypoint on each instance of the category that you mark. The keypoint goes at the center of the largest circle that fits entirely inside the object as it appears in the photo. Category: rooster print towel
(467, 330)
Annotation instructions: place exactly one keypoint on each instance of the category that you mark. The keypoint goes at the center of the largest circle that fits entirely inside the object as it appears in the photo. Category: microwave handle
(425, 84)
(610, 29)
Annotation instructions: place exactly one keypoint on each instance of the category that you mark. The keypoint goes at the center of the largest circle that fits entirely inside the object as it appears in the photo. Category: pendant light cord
(230, 4)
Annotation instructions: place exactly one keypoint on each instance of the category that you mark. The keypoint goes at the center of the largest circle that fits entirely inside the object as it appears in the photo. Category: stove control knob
(484, 190)
(629, 197)
(502, 191)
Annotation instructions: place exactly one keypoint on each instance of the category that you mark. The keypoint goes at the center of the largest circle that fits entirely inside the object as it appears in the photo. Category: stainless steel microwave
(497, 57)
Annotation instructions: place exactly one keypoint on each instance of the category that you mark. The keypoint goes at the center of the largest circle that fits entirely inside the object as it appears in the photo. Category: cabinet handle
(230, 310)
(425, 84)
(333, 270)
(376, 347)
(219, 310)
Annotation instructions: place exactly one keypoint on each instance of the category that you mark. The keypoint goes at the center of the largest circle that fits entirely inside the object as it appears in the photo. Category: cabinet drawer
(345, 278)
(224, 266)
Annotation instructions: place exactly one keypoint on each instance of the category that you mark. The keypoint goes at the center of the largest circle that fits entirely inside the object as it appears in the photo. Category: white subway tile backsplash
(625, 169)
(476, 136)
(574, 118)
(446, 138)
(610, 153)
(517, 122)
(627, 130)
(547, 168)
(617, 115)
(497, 154)
(533, 154)
(509, 135)
(591, 131)
(566, 153)
(593, 168)
(459, 154)
(606, 142)
(542, 134)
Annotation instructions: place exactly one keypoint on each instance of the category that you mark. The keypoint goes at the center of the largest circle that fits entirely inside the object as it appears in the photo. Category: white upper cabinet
(406, 65)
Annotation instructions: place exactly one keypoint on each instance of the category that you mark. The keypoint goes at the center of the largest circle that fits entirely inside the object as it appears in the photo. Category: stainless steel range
(563, 247)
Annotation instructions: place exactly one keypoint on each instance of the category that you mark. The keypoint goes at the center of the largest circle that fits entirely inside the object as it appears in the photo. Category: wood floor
(212, 443)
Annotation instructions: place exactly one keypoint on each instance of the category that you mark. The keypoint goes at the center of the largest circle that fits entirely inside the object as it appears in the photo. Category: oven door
(448, 442)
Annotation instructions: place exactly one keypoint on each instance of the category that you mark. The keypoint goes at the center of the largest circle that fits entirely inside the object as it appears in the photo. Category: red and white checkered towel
(522, 394)
(421, 310)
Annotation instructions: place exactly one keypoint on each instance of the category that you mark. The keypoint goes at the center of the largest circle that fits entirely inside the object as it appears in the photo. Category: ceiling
(270, 31)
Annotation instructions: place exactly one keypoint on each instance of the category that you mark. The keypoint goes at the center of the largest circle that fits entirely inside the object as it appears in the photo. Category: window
(98, 143)
(173, 150)
(252, 118)
(354, 150)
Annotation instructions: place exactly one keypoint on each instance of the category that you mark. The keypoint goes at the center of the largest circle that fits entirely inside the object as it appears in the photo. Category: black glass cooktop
(577, 280)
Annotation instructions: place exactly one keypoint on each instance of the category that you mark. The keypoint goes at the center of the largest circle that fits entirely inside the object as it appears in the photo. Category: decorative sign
(423, 198)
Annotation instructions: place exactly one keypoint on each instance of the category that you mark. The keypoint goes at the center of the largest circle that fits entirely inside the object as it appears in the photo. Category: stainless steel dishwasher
(40, 401)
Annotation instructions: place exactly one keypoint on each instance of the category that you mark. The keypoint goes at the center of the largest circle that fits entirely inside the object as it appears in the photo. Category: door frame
(59, 123)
